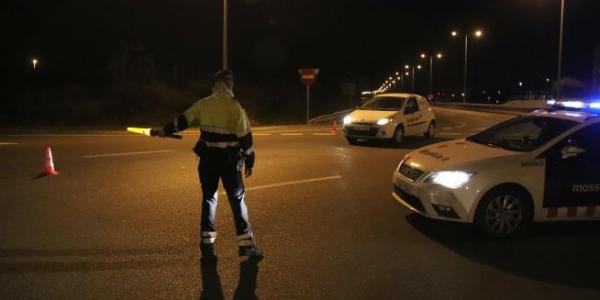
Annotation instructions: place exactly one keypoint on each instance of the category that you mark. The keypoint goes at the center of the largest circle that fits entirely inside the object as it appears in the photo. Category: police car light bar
(574, 104)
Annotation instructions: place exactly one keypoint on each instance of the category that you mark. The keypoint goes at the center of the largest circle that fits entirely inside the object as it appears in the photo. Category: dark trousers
(226, 166)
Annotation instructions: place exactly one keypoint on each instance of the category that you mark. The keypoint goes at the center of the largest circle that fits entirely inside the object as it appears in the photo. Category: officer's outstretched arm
(180, 123)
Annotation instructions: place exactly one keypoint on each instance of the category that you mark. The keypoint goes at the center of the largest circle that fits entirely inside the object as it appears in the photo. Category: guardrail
(491, 108)
(338, 116)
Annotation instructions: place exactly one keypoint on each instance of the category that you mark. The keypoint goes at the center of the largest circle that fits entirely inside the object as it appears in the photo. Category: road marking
(480, 129)
(448, 133)
(286, 183)
(292, 134)
(261, 134)
(128, 153)
(323, 133)
(5, 144)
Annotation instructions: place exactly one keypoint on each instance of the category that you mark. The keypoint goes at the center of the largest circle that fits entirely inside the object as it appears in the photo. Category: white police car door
(573, 170)
(413, 117)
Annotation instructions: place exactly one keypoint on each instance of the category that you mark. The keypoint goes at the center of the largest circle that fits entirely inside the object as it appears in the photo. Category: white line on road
(4, 144)
(129, 153)
(323, 133)
(448, 133)
(290, 134)
(261, 134)
(295, 182)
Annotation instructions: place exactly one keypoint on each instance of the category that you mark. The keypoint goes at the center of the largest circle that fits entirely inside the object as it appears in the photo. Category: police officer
(224, 148)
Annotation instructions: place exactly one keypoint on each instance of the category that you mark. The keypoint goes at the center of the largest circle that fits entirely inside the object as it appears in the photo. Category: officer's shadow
(211, 282)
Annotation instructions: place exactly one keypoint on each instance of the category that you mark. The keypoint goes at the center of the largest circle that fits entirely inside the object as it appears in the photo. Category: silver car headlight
(347, 120)
(383, 122)
(450, 179)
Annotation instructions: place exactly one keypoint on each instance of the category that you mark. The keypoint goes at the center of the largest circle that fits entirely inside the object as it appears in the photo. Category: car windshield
(522, 134)
(384, 103)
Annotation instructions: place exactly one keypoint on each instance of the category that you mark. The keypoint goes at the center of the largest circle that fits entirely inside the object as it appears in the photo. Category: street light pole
(430, 74)
(225, 29)
(560, 47)
(466, 65)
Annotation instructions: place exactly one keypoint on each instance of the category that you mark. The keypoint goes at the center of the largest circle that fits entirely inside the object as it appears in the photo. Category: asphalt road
(121, 222)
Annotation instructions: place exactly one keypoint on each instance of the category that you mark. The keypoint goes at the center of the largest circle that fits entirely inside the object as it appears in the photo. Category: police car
(390, 117)
(542, 166)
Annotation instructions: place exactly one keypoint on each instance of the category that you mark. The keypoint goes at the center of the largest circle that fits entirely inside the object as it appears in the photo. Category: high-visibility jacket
(223, 124)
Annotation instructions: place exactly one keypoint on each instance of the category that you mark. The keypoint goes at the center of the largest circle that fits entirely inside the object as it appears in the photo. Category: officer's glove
(160, 132)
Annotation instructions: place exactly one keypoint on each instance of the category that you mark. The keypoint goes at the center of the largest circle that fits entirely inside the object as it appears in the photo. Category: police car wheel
(430, 133)
(398, 135)
(503, 212)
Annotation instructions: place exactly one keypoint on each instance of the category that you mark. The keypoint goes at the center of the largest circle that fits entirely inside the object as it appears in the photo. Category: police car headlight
(382, 122)
(450, 179)
(347, 120)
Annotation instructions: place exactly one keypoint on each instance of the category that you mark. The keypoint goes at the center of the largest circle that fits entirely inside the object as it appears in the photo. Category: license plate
(361, 127)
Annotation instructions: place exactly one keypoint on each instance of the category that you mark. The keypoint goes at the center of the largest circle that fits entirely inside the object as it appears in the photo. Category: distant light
(397, 73)
(406, 67)
(548, 80)
(439, 55)
(478, 33)
(398, 78)
(551, 102)
(484, 92)
(462, 94)
(520, 83)
(366, 93)
(390, 78)
(34, 61)
(423, 55)
(454, 33)
(393, 81)
(407, 73)
(419, 67)
(499, 92)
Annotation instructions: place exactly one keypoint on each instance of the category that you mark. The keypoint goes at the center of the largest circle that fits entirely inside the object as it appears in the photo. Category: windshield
(522, 134)
(384, 103)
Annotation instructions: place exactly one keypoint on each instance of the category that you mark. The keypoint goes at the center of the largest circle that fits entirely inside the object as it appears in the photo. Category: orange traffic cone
(49, 165)
(334, 127)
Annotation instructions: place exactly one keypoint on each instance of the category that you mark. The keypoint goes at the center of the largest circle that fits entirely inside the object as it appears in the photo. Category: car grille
(413, 201)
(370, 132)
(409, 172)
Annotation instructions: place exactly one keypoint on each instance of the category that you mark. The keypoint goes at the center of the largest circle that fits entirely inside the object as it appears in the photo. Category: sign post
(308, 77)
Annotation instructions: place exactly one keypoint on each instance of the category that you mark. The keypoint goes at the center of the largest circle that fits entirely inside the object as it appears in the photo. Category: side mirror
(571, 151)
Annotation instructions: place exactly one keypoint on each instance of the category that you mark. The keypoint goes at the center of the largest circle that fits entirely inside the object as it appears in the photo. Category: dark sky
(348, 40)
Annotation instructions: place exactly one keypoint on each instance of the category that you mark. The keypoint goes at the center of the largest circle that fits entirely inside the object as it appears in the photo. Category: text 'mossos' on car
(543, 166)
(390, 117)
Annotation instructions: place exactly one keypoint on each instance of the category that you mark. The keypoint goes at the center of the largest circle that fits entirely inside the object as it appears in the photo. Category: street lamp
(34, 61)
(438, 56)
(412, 70)
(477, 34)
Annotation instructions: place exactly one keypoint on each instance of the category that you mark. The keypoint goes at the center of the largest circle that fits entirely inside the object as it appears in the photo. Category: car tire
(503, 212)
(430, 133)
(398, 137)
(351, 140)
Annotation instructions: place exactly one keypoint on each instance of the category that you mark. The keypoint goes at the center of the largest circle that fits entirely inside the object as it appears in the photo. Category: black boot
(251, 252)
(208, 252)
